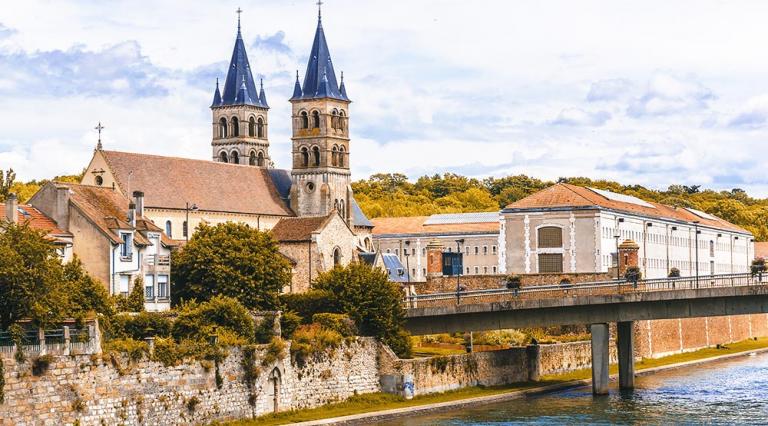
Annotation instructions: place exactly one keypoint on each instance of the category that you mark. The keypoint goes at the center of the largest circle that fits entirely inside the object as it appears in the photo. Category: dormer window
(126, 246)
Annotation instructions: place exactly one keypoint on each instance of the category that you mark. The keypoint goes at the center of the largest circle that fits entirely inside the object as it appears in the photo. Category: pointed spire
(239, 11)
(323, 90)
(342, 88)
(319, 65)
(243, 97)
(216, 95)
(296, 87)
(239, 70)
(262, 95)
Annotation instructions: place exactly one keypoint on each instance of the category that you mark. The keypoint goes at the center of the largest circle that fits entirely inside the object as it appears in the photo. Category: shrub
(192, 404)
(265, 329)
(275, 351)
(289, 322)
(170, 353)
(134, 302)
(500, 338)
(633, 274)
(758, 266)
(674, 273)
(16, 332)
(311, 340)
(308, 304)
(340, 323)
(220, 314)
(133, 348)
(138, 327)
(40, 364)
(513, 281)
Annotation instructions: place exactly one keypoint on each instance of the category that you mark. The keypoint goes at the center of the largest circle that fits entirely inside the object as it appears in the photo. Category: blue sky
(649, 92)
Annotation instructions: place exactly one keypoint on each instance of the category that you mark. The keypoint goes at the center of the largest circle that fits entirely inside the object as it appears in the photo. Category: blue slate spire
(320, 79)
(243, 98)
(239, 73)
(262, 95)
(296, 88)
(342, 88)
(216, 95)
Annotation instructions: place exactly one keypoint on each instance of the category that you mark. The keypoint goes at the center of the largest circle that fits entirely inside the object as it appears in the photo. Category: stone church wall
(93, 391)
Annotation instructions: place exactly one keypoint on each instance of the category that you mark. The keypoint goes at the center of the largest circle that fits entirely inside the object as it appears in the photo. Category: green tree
(6, 183)
(234, 260)
(370, 299)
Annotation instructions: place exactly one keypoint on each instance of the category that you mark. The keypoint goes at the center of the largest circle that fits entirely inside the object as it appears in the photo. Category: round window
(310, 186)
(99, 180)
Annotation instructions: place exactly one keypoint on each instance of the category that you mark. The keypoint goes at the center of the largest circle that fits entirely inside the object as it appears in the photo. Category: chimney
(12, 208)
(132, 214)
(61, 207)
(138, 198)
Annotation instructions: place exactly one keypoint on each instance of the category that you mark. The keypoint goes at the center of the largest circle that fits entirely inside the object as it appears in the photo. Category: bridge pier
(626, 354)
(600, 358)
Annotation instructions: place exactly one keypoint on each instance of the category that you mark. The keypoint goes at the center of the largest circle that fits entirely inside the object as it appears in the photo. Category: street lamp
(618, 261)
(407, 263)
(459, 242)
(188, 208)
(696, 236)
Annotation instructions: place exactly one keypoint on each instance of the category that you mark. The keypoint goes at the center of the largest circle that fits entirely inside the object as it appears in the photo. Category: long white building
(568, 228)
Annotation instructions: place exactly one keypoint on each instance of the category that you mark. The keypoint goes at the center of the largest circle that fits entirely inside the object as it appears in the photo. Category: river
(722, 392)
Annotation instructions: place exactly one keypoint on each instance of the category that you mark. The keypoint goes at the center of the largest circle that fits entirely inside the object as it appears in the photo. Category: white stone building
(568, 228)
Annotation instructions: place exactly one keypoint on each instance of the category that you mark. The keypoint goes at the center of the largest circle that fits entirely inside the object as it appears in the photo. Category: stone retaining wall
(485, 282)
(94, 391)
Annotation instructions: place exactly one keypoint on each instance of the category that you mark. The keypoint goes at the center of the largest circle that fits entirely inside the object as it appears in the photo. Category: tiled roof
(761, 249)
(566, 195)
(36, 219)
(358, 217)
(106, 209)
(294, 229)
(417, 225)
(171, 182)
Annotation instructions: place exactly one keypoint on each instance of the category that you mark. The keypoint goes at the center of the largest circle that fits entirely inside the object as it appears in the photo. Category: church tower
(320, 173)
(240, 122)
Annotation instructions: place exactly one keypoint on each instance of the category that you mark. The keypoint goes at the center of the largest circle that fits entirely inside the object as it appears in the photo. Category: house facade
(568, 228)
(111, 236)
(26, 214)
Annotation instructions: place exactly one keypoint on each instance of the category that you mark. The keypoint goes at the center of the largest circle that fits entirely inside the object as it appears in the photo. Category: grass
(426, 351)
(380, 401)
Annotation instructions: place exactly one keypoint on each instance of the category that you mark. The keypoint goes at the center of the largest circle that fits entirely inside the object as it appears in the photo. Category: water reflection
(729, 392)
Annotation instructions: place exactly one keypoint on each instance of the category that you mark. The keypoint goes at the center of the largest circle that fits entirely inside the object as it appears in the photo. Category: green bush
(40, 364)
(171, 353)
(138, 327)
(311, 340)
(500, 338)
(265, 329)
(221, 314)
(133, 348)
(341, 323)
(308, 304)
(134, 302)
(289, 322)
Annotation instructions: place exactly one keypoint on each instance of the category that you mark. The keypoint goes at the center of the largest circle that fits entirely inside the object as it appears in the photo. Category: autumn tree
(230, 259)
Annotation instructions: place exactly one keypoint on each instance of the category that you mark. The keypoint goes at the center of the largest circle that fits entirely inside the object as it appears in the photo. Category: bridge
(595, 304)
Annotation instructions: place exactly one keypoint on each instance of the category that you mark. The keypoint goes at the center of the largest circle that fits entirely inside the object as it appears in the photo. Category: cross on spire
(239, 11)
(319, 6)
(99, 128)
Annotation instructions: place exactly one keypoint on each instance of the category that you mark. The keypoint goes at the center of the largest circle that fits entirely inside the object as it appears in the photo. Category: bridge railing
(584, 289)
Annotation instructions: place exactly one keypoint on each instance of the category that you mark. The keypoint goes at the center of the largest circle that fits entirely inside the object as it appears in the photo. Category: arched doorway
(273, 391)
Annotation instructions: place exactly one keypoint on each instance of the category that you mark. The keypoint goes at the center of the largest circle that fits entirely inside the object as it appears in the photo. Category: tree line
(393, 195)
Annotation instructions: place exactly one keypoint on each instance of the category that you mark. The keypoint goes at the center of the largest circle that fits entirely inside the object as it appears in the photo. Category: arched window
(335, 119)
(550, 237)
(341, 156)
(342, 211)
(260, 127)
(260, 159)
(304, 157)
(316, 155)
(222, 128)
(169, 229)
(336, 204)
(184, 229)
(335, 156)
(342, 120)
(234, 157)
(223, 157)
(337, 257)
(304, 120)
(315, 119)
(251, 127)
(235, 127)
(252, 158)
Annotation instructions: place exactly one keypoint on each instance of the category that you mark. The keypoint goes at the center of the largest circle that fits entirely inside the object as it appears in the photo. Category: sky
(652, 93)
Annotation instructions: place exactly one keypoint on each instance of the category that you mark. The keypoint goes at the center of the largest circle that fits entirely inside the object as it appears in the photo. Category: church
(241, 184)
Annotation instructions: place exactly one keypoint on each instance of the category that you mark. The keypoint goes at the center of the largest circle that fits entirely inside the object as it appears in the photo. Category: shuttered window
(550, 263)
(550, 237)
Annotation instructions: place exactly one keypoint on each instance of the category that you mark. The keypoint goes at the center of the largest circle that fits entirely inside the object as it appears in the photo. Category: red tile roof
(415, 225)
(36, 219)
(566, 195)
(761, 249)
(171, 182)
(106, 208)
(295, 229)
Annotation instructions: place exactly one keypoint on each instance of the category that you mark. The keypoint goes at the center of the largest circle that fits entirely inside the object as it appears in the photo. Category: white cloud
(670, 94)
(579, 117)
(609, 90)
(754, 115)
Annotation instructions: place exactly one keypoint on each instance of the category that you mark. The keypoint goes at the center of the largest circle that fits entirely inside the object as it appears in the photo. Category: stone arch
(335, 156)
(252, 158)
(223, 130)
(235, 127)
(342, 154)
(316, 156)
(304, 120)
(251, 127)
(304, 156)
(223, 157)
(336, 256)
(315, 119)
(260, 159)
(342, 120)
(234, 157)
(335, 119)
(274, 385)
(260, 128)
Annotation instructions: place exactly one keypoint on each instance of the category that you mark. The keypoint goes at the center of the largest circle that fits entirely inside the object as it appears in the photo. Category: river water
(726, 392)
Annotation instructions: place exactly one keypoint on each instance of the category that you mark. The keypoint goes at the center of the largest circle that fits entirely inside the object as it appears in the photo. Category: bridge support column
(599, 358)
(626, 348)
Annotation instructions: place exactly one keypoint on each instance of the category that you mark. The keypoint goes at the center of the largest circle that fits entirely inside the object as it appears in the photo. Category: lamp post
(696, 242)
(459, 242)
(407, 263)
(618, 260)
(188, 208)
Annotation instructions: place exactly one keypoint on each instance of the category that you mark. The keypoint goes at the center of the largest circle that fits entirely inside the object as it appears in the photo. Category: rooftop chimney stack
(132, 214)
(12, 208)
(138, 198)
(61, 207)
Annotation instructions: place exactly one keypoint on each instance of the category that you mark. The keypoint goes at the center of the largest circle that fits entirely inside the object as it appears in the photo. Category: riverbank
(374, 407)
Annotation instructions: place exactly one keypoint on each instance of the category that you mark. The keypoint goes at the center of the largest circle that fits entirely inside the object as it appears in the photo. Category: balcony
(157, 262)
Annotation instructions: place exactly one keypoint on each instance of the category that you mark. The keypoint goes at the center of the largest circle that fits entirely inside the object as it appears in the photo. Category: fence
(584, 289)
(67, 340)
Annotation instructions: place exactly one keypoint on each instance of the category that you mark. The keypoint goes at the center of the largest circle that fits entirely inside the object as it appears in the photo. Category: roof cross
(99, 128)
(319, 6)
(238, 11)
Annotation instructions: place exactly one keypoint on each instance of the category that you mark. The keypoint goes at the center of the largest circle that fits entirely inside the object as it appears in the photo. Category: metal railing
(157, 260)
(586, 289)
